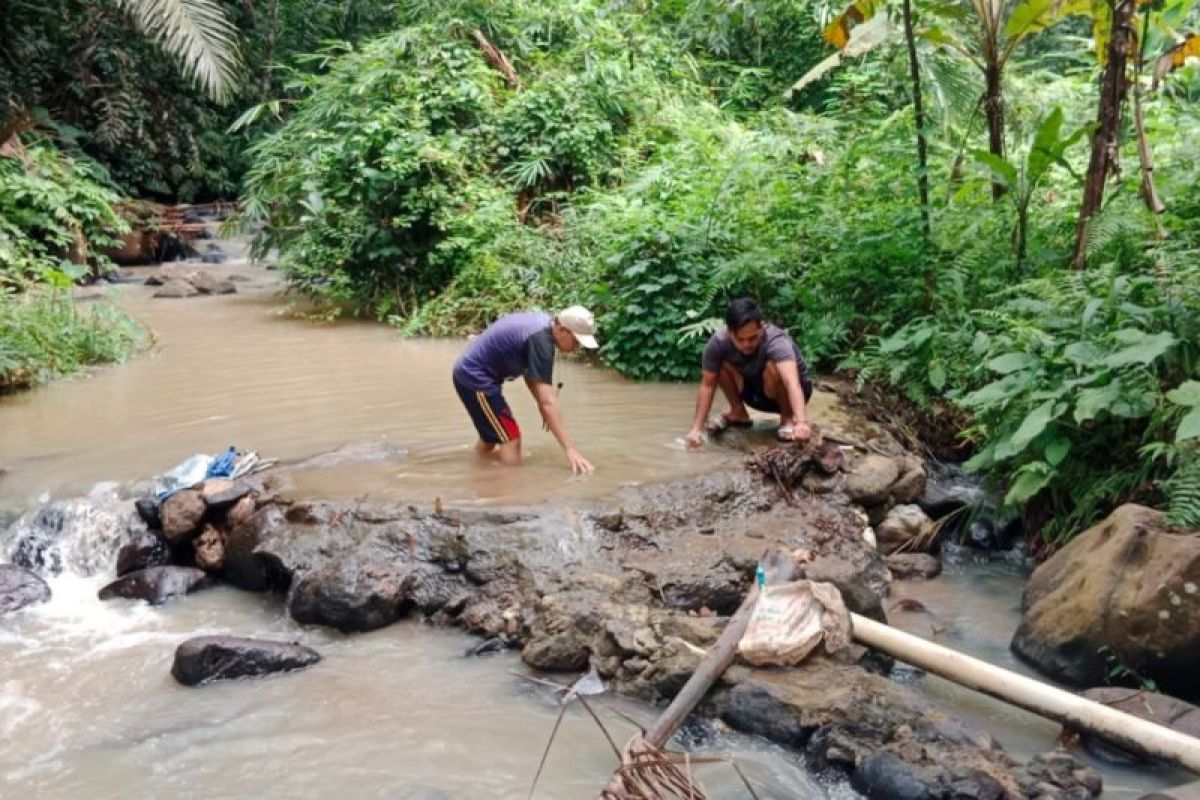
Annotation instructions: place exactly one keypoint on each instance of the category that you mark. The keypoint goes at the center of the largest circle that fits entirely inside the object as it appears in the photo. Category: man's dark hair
(742, 311)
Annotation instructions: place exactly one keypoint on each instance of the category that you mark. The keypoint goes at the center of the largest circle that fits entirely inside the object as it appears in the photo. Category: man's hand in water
(579, 464)
(801, 432)
(694, 439)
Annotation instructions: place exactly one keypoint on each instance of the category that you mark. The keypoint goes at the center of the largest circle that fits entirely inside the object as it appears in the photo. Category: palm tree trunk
(919, 114)
(993, 106)
(1108, 119)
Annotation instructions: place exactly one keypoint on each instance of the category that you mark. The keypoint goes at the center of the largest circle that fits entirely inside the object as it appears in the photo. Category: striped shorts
(490, 412)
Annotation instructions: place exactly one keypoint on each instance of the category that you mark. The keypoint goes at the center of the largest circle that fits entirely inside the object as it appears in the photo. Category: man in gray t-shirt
(756, 365)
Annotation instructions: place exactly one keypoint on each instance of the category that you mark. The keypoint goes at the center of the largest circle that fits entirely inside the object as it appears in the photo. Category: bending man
(520, 345)
(756, 365)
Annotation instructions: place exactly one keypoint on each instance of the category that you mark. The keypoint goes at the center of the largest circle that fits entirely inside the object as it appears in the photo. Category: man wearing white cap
(520, 345)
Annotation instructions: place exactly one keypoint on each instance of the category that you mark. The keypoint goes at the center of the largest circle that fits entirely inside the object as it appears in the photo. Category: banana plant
(1021, 180)
(984, 32)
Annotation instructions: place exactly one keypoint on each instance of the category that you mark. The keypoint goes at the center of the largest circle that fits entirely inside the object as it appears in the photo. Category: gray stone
(213, 658)
(156, 585)
(20, 588)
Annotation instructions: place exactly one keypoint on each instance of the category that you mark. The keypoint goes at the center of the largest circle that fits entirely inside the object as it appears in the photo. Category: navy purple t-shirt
(775, 345)
(513, 346)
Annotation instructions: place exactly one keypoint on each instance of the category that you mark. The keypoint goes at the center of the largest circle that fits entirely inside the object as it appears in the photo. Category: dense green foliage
(89, 73)
(55, 214)
(646, 158)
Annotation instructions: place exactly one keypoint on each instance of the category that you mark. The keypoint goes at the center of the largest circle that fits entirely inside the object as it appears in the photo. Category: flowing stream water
(87, 705)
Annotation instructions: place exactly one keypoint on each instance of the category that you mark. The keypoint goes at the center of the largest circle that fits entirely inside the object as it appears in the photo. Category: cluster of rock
(177, 283)
(186, 539)
(636, 587)
(639, 585)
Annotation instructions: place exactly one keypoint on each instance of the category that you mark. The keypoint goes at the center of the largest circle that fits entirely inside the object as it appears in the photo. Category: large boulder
(204, 659)
(351, 595)
(19, 588)
(156, 585)
(1123, 593)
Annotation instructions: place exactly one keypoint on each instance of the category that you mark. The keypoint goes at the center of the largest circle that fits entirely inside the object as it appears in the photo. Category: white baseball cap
(579, 321)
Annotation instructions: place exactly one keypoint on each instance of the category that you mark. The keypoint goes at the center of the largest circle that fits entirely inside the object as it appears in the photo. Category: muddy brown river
(87, 705)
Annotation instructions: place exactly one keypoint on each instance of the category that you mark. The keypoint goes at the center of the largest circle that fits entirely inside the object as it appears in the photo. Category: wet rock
(80, 534)
(906, 527)
(1058, 774)
(246, 567)
(564, 651)
(212, 658)
(483, 617)
(176, 288)
(1170, 712)
(911, 483)
(210, 549)
(487, 647)
(883, 776)
(1092, 603)
(671, 668)
(145, 550)
(871, 477)
(150, 511)
(879, 480)
(907, 566)
(852, 581)
(221, 492)
(948, 488)
(181, 515)
(350, 596)
(205, 283)
(19, 588)
(241, 511)
(156, 585)
(842, 716)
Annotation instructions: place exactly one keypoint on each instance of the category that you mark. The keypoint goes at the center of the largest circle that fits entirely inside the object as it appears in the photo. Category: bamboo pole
(1126, 731)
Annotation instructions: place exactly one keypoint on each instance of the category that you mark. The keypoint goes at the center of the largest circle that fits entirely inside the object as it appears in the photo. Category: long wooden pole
(1124, 730)
(710, 669)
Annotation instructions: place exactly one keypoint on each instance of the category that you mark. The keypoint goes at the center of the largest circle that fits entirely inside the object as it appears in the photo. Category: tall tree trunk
(919, 113)
(1149, 193)
(993, 107)
(914, 69)
(1108, 120)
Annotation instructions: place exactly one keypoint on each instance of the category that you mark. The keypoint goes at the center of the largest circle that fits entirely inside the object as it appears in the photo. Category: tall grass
(45, 334)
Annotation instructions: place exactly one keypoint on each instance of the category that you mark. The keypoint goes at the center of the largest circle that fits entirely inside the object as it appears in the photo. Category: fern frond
(1183, 495)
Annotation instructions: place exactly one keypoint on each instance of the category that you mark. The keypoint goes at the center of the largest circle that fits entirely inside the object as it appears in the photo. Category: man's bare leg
(774, 389)
(509, 453)
(485, 449)
(730, 381)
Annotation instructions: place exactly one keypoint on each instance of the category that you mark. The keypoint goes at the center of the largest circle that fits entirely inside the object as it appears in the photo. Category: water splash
(78, 535)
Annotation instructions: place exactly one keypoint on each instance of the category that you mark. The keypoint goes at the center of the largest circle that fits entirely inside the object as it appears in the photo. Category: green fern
(1183, 494)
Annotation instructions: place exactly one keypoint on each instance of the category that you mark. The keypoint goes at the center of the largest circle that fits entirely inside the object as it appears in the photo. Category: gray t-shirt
(775, 345)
